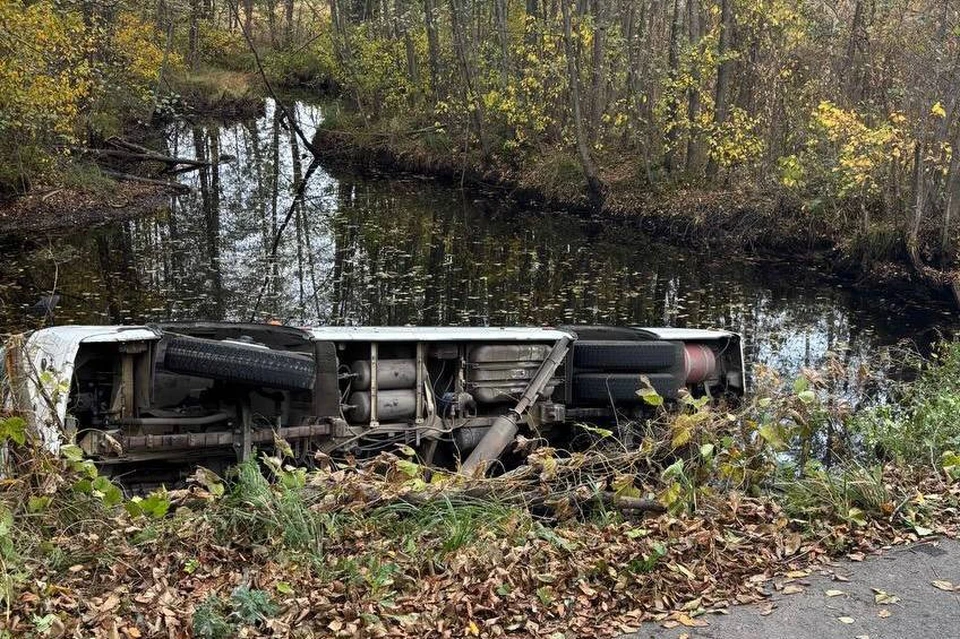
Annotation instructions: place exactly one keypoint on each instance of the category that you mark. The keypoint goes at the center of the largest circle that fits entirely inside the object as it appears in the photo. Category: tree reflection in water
(360, 249)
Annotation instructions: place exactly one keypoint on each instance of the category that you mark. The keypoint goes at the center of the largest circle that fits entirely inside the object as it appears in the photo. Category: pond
(254, 241)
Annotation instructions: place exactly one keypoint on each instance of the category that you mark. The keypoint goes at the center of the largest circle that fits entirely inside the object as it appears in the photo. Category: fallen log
(147, 157)
(128, 177)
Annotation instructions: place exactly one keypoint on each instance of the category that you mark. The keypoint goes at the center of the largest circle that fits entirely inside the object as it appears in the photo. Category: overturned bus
(151, 401)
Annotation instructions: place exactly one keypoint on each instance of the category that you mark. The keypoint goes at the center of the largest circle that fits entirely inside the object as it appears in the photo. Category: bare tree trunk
(724, 70)
(400, 26)
(287, 22)
(673, 109)
(194, 34)
(850, 72)
(693, 99)
(466, 71)
(533, 11)
(500, 11)
(248, 16)
(433, 46)
(597, 105)
(594, 185)
(919, 202)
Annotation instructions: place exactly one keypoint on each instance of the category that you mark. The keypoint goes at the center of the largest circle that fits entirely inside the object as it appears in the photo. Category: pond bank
(71, 208)
(738, 220)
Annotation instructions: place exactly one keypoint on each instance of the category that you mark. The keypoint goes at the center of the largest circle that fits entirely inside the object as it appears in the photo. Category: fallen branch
(147, 157)
(128, 177)
(365, 496)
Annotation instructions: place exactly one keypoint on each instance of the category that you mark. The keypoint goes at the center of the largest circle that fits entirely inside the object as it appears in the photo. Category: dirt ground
(52, 210)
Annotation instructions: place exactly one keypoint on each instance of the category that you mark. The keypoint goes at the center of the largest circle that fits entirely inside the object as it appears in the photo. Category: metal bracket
(420, 369)
(243, 435)
(374, 373)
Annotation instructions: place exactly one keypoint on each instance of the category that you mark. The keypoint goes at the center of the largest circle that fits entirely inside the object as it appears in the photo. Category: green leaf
(6, 521)
(807, 397)
(107, 491)
(857, 516)
(408, 468)
(773, 435)
(706, 451)
(284, 588)
(83, 487)
(673, 471)
(800, 385)
(650, 396)
(13, 429)
(36, 504)
(156, 504)
(601, 432)
(71, 452)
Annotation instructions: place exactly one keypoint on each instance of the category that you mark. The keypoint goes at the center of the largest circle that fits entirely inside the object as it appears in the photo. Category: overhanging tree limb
(273, 94)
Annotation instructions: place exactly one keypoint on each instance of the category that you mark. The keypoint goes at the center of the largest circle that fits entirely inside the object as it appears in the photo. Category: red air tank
(700, 363)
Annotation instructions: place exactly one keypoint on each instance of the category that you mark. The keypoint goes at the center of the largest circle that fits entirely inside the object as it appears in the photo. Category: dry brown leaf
(834, 593)
(690, 622)
(847, 620)
(791, 589)
(943, 585)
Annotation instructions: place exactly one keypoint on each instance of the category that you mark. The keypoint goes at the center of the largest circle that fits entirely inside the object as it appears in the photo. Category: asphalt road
(890, 596)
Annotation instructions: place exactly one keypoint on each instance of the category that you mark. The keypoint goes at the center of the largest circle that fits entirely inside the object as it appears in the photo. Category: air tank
(700, 363)
(391, 373)
(392, 405)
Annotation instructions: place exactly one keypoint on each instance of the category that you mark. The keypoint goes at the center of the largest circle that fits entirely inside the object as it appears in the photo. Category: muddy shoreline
(60, 211)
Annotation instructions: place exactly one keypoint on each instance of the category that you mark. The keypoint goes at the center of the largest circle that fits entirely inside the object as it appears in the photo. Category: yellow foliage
(736, 141)
(45, 74)
(861, 151)
(61, 71)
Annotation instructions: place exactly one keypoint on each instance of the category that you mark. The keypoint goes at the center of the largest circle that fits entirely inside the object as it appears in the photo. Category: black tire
(611, 356)
(621, 388)
(239, 364)
(619, 333)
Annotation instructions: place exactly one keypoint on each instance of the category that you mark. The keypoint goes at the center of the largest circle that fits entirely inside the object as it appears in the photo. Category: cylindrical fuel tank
(391, 373)
(489, 353)
(700, 363)
(392, 405)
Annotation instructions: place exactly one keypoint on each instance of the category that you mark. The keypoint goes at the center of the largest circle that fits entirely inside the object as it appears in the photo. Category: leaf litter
(366, 551)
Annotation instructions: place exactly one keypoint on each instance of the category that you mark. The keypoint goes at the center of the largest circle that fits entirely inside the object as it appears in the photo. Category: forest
(839, 118)
(781, 169)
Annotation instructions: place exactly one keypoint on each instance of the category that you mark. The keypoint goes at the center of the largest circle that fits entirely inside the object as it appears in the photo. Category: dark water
(366, 250)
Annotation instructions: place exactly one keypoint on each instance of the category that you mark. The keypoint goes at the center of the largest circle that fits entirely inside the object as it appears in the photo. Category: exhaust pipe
(505, 427)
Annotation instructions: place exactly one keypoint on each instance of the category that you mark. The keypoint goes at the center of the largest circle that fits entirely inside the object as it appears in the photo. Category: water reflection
(270, 236)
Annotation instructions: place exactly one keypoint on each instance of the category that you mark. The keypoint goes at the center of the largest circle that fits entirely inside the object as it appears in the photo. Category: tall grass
(922, 420)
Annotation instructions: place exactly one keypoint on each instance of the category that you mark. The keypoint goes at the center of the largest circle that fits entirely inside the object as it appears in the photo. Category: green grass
(923, 420)
(847, 494)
